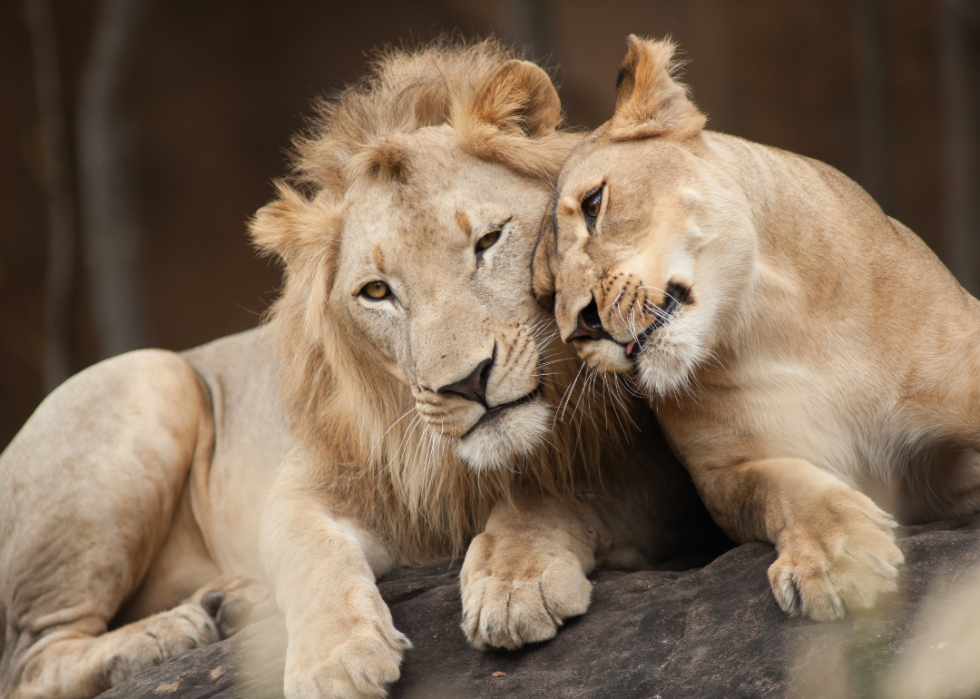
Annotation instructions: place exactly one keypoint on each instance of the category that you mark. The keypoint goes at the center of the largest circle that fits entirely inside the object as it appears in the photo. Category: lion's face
(408, 263)
(649, 248)
(433, 285)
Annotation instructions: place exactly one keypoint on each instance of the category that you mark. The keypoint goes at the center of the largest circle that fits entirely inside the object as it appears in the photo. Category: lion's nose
(474, 386)
(589, 324)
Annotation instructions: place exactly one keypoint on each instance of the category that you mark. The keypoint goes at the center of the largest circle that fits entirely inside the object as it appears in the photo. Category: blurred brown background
(194, 102)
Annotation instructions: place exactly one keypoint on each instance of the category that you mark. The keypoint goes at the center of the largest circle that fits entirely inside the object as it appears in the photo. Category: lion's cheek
(517, 372)
(513, 384)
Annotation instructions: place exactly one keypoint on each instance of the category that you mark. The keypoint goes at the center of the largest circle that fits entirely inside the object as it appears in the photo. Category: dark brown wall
(219, 87)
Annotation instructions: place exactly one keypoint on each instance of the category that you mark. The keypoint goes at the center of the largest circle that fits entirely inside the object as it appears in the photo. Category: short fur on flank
(400, 405)
(813, 364)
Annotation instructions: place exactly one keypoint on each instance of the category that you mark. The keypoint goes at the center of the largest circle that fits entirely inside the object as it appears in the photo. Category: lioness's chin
(605, 355)
(502, 440)
(665, 368)
(662, 367)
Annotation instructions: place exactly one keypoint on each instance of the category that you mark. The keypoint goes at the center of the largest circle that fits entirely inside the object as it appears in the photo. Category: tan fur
(337, 441)
(819, 353)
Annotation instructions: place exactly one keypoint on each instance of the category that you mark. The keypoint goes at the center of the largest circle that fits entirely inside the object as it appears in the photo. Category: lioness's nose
(589, 324)
(474, 386)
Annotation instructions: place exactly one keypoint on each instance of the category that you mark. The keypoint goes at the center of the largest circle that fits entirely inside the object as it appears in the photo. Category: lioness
(399, 402)
(772, 314)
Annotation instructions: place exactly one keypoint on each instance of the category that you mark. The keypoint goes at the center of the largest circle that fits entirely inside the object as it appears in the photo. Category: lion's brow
(464, 224)
(378, 258)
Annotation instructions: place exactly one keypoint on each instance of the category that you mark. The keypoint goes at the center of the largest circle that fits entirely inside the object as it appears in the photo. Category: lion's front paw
(354, 657)
(359, 667)
(841, 556)
(514, 596)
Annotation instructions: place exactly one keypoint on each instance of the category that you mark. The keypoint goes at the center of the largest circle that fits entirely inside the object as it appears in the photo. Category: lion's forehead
(405, 220)
(403, 224)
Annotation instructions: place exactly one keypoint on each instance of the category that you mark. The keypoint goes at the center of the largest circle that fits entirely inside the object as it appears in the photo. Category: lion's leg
(89, 487)
(342, 640)
(183, 573)
(181, 566)
(526, 572)
(836, 547)
(79, 660)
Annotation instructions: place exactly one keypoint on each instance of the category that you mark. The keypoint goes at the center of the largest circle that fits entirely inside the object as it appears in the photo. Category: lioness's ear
(649, 101)
(295, 228)
(519, 98)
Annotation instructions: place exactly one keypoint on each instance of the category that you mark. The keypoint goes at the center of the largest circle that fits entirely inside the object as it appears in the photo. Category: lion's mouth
(498, 410)
(675, 296)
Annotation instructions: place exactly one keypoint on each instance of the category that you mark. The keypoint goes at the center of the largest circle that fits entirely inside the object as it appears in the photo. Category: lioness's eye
(487, 240)
(592, 204)
(376, 291)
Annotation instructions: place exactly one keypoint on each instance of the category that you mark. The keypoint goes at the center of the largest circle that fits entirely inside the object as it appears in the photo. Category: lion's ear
(649, 101)
(295, 228)
(519, 98)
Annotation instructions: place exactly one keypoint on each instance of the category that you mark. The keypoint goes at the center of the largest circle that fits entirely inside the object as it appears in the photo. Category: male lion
(399, 402)
(771, 312)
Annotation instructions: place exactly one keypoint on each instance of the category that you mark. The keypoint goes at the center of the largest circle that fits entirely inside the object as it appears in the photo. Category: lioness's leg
(836, 547)
(943, 479)
(526, 572)
(342, 640)
(89, 487)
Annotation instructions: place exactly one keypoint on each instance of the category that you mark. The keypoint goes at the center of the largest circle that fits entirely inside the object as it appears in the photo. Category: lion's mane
(374, 459)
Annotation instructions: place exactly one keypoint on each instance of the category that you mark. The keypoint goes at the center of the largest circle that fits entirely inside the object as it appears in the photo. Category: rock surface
(710, 632)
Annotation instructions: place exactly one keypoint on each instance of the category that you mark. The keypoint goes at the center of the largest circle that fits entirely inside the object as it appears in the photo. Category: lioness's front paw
(514, 597)
(841, 556)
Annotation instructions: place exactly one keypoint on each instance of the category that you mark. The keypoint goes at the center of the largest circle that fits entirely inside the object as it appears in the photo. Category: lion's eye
(592, 204)
(487, 240)
(376, 290)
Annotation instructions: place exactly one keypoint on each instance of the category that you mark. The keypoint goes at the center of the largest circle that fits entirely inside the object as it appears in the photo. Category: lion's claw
(510, 603)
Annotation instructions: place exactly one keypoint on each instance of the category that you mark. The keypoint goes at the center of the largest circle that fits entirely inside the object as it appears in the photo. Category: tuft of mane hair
(363, 446)
(355, 131)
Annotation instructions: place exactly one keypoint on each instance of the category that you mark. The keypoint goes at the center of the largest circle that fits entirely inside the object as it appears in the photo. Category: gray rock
(710, 632)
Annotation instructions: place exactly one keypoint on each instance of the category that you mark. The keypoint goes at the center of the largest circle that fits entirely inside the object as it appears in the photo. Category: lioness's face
(648, 249)
(433, 283)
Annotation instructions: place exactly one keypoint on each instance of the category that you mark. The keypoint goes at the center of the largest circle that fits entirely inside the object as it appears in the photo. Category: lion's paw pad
(360, 667)
(501, 611)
